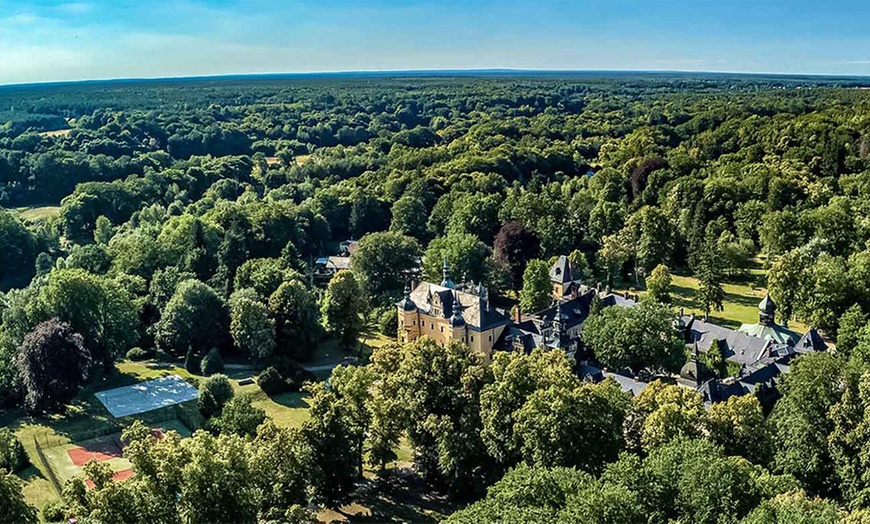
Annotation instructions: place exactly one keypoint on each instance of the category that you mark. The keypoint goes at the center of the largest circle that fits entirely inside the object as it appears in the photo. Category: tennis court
(147, 396)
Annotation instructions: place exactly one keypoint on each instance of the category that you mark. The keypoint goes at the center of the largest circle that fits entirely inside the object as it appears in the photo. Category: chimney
(681, 311)
(598, 287)
(518, 314)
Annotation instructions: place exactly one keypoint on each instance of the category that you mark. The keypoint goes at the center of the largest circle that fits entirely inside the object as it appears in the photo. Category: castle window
(490, 338)
(432, 326)
(472, 338)
(442, 329)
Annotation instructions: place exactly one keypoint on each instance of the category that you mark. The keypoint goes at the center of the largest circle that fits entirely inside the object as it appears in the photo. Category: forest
(184, 218)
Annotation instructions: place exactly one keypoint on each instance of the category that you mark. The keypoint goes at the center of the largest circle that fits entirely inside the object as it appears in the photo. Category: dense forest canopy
(189, 214)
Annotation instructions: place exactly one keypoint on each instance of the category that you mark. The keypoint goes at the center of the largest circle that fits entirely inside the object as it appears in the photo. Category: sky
(52, 40)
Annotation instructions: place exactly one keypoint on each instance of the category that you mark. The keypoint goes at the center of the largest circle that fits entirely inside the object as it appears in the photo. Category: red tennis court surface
(124, 474)
(98, 451)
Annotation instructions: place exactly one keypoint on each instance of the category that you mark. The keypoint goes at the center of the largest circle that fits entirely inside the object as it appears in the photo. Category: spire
(407, 303)
(445, 275)
(766, 311)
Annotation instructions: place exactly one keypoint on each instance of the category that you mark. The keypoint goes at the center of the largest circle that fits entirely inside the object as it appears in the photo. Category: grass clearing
(57, 132)
(740, 306)
(35, 214)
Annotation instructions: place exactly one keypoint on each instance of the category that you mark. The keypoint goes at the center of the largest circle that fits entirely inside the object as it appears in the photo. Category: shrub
(240, 418)
(212, 363)
(191, 362)
(136, 354)
(12, 455)
(388, 322)
(53, 511)
(214, 394)
(271, 382)
(293, 373)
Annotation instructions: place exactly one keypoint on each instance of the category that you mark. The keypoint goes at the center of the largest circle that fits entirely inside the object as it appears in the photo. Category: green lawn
(38, 213)
(86, 417)
(739, 307)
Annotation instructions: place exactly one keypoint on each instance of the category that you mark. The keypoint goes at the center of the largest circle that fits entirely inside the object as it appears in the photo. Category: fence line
(47, 467)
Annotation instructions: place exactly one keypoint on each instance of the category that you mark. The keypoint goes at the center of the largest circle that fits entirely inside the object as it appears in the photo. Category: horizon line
(471, 71)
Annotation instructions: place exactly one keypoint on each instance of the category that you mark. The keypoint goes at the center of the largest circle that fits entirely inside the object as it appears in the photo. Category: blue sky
(47, 40)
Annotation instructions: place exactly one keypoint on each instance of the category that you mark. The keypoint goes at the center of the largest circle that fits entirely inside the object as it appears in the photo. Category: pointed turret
(407, 303)
(445, 275)
(766, 311)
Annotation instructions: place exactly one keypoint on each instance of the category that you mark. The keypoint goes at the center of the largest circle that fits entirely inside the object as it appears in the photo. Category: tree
(739, 428)
(264, 275)
(849, 440)
(638, 337)
(103, 231)
(15, 508)
(514, 246)
(281, 467)
(214, 393)
(786, 282)
(13, 458)
(252, 329)
(342, 308)
(438, 390)
(658, 284)
(212, 363)
(468, 258)
(240, 417)
(536, 293)
(655, 238)
(516, 376)
(801, 424)
(382, 261)
(616, 250)
(297, 326)
(849, 332)
(579, 265)
(572, 424)
(194, 317)
(94, 306)
(710, 291)
(53, 364)
(662, 413)
(333, 438)
(215, 481)
(795, 507)
(409, 217)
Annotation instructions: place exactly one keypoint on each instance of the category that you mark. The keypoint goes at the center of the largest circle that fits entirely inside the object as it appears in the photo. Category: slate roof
(737, 347)
(811, 341)
(572, 312)
(560, 273)
(475, 310)
(627, 383)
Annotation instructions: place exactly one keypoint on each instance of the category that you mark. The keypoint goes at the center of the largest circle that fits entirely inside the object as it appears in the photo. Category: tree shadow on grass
(399, 495)
(290, 400)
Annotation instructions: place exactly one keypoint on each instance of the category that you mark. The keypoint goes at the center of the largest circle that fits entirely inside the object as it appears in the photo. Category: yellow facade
(414, 324)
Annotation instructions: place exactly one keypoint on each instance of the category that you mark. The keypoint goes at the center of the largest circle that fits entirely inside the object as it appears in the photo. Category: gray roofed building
(561, 272)
(735, 346)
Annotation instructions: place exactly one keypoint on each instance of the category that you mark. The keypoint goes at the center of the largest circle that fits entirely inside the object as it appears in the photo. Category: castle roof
(476, 311)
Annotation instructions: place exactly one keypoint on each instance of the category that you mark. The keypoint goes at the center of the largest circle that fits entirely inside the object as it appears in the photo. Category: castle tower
(767, 311)
(409, 328)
